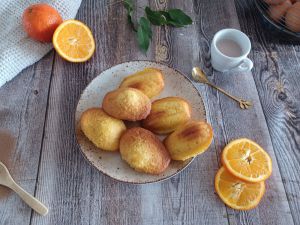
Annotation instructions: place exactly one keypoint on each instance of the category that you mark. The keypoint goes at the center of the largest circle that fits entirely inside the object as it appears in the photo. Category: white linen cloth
(17, 50)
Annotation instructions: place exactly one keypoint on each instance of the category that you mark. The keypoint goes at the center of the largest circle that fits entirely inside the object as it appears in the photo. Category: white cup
(224, 63)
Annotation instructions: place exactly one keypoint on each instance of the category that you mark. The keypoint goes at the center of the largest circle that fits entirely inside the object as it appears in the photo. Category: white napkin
(17, 50)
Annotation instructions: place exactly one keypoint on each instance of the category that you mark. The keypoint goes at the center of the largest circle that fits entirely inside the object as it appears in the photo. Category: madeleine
(101, 129)
(150, 81)
(167, 114)
(189, 140)
(143, 151)
(127, 104)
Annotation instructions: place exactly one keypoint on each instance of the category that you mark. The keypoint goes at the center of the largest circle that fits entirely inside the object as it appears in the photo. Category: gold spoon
(200, 76)
(7, 180)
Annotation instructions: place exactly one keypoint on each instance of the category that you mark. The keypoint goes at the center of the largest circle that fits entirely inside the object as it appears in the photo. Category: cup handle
(244, 66)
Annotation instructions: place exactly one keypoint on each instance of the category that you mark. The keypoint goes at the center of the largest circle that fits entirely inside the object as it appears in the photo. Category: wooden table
(37, 125)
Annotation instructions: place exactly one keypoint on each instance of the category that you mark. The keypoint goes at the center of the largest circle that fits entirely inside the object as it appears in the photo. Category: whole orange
(40, 21)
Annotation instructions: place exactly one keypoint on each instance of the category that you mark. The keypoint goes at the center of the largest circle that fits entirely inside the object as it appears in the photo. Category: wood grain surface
(22, 115)
(277, 78)
(37, 114)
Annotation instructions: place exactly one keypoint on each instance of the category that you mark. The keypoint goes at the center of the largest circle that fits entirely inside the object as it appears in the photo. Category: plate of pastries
(141, 122)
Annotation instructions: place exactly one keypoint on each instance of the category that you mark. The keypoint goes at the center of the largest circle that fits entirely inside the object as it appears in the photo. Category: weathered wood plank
(197, 202)
(274, 208)
(228, 108)
(277, 78)
(22, 114)
(82, 195)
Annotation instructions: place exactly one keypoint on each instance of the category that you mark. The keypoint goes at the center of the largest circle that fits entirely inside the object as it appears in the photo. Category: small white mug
(237, 63)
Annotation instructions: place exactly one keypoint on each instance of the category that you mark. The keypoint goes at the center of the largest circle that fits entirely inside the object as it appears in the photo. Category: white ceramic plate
(110, 163)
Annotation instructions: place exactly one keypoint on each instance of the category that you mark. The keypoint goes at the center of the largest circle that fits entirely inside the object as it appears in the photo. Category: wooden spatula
(7, 180)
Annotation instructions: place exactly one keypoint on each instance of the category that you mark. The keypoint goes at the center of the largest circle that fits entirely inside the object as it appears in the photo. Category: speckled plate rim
(125, 181)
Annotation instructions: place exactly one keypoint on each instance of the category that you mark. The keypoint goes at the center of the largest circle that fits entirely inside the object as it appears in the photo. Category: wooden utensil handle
(35, 204)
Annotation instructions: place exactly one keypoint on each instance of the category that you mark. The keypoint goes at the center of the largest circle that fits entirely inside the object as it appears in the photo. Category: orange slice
(246, 160)
(236, 193)
(74, 41)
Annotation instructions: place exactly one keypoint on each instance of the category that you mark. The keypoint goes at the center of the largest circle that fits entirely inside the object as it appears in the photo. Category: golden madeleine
(150, 81)
(189, 140)
(127, 104)
(101, 129)
(167, 114)
(143, 151)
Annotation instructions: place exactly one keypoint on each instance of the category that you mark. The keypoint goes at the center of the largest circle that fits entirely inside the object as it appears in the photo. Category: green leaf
(155, 17)
(165, 14)
(178, 18)
(129, 19)
(146, 26)
(169, 20)
(144, 34)
(128, 4)
(174, 17)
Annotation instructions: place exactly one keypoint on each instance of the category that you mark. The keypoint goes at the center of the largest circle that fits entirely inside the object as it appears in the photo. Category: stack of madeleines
(138, 146)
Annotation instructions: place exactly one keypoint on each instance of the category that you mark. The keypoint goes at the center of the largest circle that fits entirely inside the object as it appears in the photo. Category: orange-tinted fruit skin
(40, 21)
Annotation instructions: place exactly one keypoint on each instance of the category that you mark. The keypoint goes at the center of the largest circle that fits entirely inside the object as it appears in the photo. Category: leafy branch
(171, 17)
(128, 4)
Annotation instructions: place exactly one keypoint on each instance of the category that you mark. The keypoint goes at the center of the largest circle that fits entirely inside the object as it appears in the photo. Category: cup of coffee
(229, 50)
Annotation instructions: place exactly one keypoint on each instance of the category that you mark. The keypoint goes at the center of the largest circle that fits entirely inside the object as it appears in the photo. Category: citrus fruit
(74, 41)
(40, 21)
(236, 193)
(246, 160)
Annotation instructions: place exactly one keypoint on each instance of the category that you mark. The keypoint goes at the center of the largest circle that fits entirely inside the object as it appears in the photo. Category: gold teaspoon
(200, 76)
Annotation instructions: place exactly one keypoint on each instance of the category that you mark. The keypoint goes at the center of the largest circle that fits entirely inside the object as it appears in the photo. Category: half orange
(246, 160)
(74, 41)
(236, 193)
